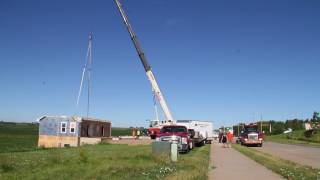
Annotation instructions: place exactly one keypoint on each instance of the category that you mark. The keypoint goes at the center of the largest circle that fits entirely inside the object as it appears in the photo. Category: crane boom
(146, 65)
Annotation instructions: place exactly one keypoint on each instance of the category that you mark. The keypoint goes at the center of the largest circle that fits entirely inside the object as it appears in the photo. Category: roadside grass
(285, 168)
(103, 161)
(296, 137)
(193, 166)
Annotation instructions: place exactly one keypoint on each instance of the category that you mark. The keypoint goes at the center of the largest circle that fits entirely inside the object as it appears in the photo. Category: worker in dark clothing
(224, 139)
(220, 136)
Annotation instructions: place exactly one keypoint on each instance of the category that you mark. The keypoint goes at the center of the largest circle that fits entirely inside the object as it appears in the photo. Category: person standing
(229, 138)
(220, 136)
(138, 133)
(224, 139)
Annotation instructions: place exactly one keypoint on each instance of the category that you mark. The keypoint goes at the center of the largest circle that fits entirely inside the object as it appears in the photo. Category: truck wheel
(190, 145)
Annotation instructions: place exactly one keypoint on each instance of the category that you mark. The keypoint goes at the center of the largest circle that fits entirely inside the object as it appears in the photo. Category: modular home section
(63, 131)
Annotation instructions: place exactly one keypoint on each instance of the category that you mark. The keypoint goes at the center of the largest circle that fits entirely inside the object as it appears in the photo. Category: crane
(146, 65)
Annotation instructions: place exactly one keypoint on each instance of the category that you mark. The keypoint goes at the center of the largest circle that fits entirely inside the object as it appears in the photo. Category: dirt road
(132, 142)
(300, 154)
(230, 164)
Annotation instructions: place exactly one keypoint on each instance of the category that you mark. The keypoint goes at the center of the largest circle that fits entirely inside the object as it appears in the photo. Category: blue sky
(224, 61)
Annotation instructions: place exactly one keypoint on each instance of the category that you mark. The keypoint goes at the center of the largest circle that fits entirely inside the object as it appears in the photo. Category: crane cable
(86, 69)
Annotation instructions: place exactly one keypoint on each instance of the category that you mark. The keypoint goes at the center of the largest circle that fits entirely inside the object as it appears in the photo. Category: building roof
(76, 118)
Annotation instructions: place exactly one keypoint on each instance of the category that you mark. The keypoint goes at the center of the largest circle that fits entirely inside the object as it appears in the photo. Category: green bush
(309, 133)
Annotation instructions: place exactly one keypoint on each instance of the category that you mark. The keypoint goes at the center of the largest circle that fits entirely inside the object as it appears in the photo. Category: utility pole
(253, 117)
(261, 122)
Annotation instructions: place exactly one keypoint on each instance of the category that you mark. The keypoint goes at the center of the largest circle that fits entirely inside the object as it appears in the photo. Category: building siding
(52, 126)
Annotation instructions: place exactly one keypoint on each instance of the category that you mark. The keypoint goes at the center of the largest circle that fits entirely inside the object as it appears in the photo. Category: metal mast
(146, 65)
(87, 69)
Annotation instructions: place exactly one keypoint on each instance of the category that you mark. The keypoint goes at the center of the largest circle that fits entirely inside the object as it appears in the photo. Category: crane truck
(168, 130)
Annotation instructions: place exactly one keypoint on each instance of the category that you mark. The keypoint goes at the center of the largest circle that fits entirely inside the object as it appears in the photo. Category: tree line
(273, 127)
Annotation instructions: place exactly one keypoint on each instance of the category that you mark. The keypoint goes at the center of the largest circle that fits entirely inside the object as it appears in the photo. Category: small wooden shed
(64, 131)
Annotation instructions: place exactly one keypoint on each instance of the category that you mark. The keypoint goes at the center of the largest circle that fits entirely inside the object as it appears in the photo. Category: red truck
(153, 131)
(250, 135)
(176, 134)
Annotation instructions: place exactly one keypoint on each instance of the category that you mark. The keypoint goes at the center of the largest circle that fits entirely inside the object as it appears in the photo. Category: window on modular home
(63, 127)
(72, 127)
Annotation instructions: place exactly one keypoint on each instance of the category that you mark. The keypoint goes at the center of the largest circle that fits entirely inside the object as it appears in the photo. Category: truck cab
(250, 135)
(175, 134)
(154, 128)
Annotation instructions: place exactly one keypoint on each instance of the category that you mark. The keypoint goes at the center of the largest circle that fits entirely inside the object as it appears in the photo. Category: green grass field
(285, 168)
(117, 131)
(21, 159)
(18, 137)
(296, 137)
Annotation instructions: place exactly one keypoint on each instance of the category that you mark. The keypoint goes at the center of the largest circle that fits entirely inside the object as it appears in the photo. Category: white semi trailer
(203, 130)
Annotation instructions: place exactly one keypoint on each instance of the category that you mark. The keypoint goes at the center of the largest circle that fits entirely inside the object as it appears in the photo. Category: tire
(190, 145)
